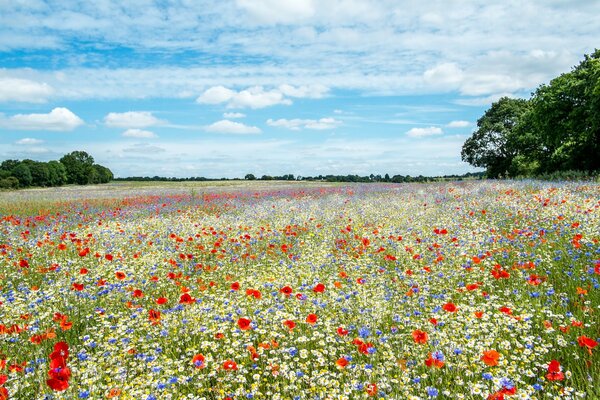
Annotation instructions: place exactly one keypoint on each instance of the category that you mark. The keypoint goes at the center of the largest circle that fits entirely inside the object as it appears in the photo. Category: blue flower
(432, 392)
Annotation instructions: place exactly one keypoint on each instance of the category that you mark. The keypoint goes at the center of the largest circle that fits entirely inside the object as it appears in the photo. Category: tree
(58, 173)
(9, 165)
(23, 174)
(565, 117)
(493, 144)
(79, 166)
(250, 177)
(104, 175)
(40, 174)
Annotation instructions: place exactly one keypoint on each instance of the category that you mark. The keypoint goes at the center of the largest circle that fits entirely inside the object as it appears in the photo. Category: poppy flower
(23, 263)
(288, 323)
(490, 357)
(120, 275)
(138, 293)
(77, 286)
(419, 336)
(254, 293)
(154, 316)
(319, 288)
(554, 372)
(235, 286)
(186, 299)
(3, 379)
(244, 323)
(198, 361)
(341, 362)
(286, 290)
(478, 314)
(341, 331)
(61, 349)
(3, 393)
(371, 389)
(230, 365)
(435, 359)
(161, 300)
(505, 310)
(108, 257)
(587, 342)
(311, 318)
(450, 307)
(58, 383)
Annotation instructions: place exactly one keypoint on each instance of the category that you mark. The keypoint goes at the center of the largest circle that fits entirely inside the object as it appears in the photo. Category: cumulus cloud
(458, 124)
(132, 119)
(253, 97)
(298, 124)
(423, 132)
(139, 133)
(24, 90)
(304, 91)
(59, 119)
(232, 115)
(446, 75)
(277, 11)
(29, 141)
(231, 127)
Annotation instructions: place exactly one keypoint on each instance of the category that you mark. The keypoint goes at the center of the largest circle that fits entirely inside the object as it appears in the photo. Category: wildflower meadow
(463, 290)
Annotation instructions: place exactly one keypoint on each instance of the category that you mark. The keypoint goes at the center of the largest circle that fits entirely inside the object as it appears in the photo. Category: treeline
(320, 178)
(554, 133)
(77, 167)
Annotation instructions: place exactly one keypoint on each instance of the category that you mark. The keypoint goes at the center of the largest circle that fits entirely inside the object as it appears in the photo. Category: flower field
(472, 290)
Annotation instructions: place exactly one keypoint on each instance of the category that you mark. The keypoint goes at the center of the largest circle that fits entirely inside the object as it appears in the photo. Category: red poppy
(254, 293)
(230, 365)
(3, 379)
(505, 310)
(341, 331)
(319, 288)
(433, 321)
(244, 323)
(478, 314)
(587, 342)
(138, 293)
(288, 323)
(312, 318)
(58, 383)
(109, 257)
(23, 263)
(433, 362)
(554, 372)
(161, 300)
(154, 316)
(419, 336)
(83, 271)
(3, 393)
(450, 307)
(77, 286)
(61, 349)
(286, 290)
(490, 357)
(186, 299)
(341, 362)
(371, 389)
(235, 286)
(120, 275)
(198, 361)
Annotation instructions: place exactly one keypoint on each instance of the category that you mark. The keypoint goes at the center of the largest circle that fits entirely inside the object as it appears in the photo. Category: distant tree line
(554, 133)
(320, 178)
(77, 167)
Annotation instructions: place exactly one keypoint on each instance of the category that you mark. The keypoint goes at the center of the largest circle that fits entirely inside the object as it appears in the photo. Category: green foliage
(80, 167)
(558, 129)
(76, 167)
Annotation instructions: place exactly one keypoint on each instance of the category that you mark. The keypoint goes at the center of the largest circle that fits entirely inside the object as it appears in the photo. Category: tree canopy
(76, 167)
(557, 129)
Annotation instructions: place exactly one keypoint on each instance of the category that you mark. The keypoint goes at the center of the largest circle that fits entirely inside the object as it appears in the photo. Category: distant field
(223, 290)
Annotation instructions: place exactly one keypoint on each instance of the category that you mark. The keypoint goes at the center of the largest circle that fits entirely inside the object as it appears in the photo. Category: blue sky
(224, 88)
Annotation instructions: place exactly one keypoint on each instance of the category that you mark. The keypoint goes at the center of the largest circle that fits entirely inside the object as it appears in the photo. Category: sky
(309, 87)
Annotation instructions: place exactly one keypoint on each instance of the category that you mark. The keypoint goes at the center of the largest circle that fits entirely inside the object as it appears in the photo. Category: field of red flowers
(465, 290)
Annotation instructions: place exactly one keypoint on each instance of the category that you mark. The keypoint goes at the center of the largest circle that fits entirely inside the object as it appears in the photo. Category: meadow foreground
(472, 290)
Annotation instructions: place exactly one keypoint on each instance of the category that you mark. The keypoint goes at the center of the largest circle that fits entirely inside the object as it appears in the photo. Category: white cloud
(29, 141)
(232, 115)
(305, 91)
(253, 97)
(24, 90)
(59, 119)
(216, 95)
(277, 11)
(132, 119)
(231, 127)
(423, 132)
(446, 75)
(138, 133)
(458, 124)
(297, 124)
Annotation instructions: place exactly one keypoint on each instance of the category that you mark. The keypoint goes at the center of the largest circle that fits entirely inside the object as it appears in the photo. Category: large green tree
(79, 166)
(565, 119)
(494, 144)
